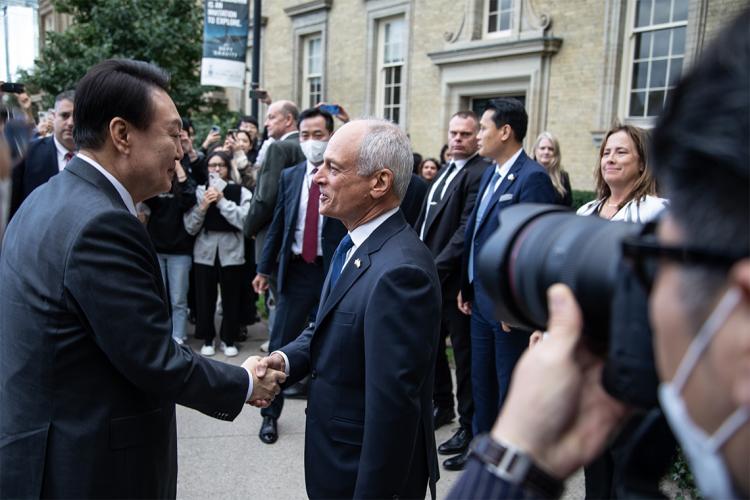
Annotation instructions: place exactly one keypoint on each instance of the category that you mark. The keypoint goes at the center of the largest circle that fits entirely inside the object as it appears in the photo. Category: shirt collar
(360, 233)
(288, 134)
(505, 167)
(61, 150)
(460, 163)
(310, 168)
(124, 194)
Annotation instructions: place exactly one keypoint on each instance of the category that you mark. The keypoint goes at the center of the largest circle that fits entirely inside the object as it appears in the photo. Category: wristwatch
(516, 467)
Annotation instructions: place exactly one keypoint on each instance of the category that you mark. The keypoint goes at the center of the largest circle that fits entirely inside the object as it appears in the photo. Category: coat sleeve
(266, 189)
(111, 281)
(235, 214)
(399, 357)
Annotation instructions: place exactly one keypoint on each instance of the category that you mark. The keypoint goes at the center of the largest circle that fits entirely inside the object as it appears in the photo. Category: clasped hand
(267, 379)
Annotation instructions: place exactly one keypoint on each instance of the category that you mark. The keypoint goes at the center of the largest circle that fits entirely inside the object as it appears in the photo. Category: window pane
(493, 6)
(395, 115)
(492, 23)
(661, 11)
(655, 102)
(658, 74)
(397, 95)
(505, 21)
(661, 43)
(678, 41)
(680, 12)
(388, 96)
(506, 4)
(643, 13)
(397, 74)
(642, 45)
(675, 71)
(640, 75)
(637, 103)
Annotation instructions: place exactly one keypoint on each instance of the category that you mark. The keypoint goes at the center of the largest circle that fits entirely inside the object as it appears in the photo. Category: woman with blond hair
(625, 188)
(546, 152)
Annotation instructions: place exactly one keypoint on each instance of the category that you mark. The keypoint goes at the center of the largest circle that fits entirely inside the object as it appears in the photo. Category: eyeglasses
(644, 252)
(217, 165)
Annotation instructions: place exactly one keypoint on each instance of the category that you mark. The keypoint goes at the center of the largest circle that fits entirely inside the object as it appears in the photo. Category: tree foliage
(167, 33)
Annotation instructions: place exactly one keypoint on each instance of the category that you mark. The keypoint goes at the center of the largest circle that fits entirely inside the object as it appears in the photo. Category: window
(391, 68)
(658, 51)
(312, 90)
(499, 14)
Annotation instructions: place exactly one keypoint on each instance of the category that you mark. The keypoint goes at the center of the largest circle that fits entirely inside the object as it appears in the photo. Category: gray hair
(385, 145)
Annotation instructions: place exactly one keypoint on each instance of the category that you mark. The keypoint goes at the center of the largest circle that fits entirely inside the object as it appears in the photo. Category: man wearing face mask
(697, 269)
(304, 242)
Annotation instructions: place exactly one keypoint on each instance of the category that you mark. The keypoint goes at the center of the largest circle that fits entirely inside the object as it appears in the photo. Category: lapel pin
(511, 177)
(357, 263)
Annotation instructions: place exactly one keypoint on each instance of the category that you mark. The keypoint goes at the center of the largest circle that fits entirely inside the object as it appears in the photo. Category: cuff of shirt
(249, 385)
(286, 361)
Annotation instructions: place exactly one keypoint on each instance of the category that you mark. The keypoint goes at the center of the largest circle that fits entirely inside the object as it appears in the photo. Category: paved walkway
(226, 460)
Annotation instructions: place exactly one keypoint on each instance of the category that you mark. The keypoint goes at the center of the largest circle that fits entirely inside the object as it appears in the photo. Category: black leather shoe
(458, 462)
(296, 391)
(442, 416)
(457, 443)
(268, 431)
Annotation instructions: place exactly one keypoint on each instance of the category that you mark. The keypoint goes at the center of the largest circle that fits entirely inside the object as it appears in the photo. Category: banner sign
(225, 28)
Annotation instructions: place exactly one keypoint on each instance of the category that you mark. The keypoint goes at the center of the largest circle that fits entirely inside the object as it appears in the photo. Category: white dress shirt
(61, 152)
(304, 196)
(124, 194)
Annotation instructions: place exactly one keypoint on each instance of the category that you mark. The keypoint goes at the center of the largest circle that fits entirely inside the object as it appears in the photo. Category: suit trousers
(229, 278)
(295, 309)
(494, 354)
(458, 326)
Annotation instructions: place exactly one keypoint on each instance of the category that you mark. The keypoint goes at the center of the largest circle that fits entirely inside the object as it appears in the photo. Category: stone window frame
(307, 75)
(379, 11)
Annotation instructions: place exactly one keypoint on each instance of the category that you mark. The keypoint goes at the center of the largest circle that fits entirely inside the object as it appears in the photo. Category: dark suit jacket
(371, 358)
(444, 232)
(280, 155)
(89, 374)
(526, 182)
(36, 168)
(280, 236)
(416, 192)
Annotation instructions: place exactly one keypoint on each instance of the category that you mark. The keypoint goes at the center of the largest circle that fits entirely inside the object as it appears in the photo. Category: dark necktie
(68, 156)
(310, 235)
(338, 260)
(437, 194)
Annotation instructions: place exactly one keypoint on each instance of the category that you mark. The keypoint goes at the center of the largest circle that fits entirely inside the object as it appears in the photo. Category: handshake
(268, 374)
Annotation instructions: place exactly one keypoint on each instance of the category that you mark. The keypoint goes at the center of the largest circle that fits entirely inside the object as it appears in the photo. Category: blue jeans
(175, 271)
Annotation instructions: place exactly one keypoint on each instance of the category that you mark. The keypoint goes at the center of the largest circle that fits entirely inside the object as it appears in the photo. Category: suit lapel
(446, 198)
(504, 185)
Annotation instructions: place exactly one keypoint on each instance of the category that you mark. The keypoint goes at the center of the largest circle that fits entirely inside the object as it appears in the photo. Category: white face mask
(703, 451)
(314, 150)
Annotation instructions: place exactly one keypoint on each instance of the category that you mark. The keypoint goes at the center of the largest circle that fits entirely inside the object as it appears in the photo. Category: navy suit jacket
(526, 182)
(36, 168)
(280, 235)
(371, 360)
(89, 373)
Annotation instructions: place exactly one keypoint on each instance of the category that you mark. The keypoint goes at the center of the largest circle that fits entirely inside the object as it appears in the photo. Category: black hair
(66, 95)
(247, 119)
(701, 154)
(187, 125)
(509, 111)
(115, 88)
(221, 154)
(312, 113)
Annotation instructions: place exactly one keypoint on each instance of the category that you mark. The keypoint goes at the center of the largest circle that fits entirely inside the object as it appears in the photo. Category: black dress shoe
(268, 431)
(457, 443)
(458, 462)
(296, 391)
(442, 416)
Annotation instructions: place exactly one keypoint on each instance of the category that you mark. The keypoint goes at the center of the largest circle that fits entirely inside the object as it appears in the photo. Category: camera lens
(537, 246)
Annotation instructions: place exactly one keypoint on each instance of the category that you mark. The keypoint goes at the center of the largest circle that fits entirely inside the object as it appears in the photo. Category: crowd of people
(334, 229)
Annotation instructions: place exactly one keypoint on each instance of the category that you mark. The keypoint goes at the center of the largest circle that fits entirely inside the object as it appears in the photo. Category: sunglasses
(644, 253)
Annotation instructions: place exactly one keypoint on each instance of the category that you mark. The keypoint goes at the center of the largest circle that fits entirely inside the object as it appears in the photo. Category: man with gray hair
(371, 352)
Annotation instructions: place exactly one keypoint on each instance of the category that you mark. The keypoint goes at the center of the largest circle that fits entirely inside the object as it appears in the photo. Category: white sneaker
(229, 351)
(208, 350)
(264, 346)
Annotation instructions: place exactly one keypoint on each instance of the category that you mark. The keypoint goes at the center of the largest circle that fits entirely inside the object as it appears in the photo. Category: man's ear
(740, 278)
(381, 183)
(118, 131)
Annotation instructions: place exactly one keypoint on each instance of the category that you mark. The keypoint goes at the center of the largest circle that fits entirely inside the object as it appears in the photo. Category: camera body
(537, 246)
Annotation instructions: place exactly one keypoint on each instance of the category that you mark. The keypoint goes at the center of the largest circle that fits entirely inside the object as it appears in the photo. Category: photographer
(698, 273)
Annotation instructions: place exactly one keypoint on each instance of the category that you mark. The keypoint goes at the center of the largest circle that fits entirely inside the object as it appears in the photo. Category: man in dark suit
(514, 178)
(89, 373)
(371, 352)
(441, 226)
(303, 242)
(47, 156)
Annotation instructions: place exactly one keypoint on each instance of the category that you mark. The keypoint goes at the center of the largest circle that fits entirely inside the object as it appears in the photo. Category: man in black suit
(513, 178)
(371, 351)
(302, 242)
(89, 373)
(47, 156)
(441, 226)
